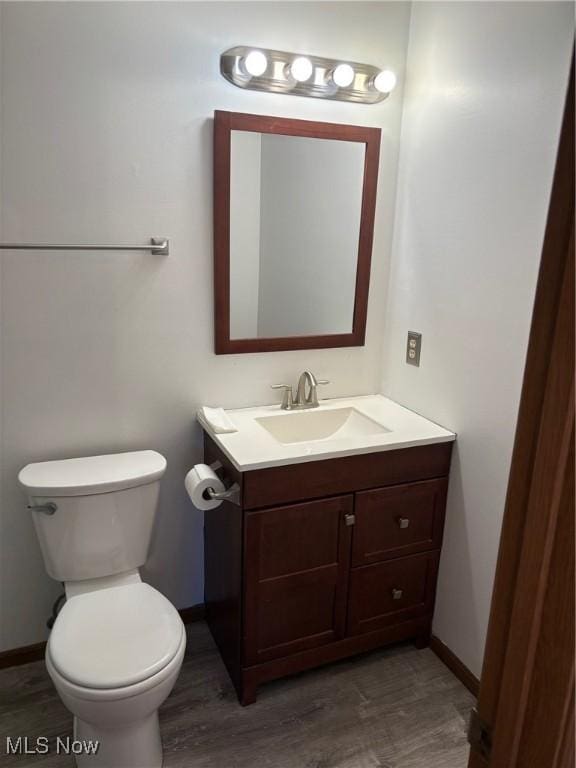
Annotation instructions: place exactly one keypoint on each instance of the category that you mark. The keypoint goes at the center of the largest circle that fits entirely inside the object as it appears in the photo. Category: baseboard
(15, 657)
(24, 655)
(457, 667)
(193, 613)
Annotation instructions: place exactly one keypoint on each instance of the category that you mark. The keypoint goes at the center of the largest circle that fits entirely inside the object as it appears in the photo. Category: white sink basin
(311, 426)
(267, 436)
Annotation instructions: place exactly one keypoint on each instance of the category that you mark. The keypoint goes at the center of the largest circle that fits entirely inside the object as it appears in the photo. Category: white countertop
(253, 447)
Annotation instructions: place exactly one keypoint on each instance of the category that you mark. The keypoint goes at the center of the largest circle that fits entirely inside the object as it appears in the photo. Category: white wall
(245, 183)
(107, 136)
(484, 97)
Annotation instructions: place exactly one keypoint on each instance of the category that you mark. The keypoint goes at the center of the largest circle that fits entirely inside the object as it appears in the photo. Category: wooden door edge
(556, 250)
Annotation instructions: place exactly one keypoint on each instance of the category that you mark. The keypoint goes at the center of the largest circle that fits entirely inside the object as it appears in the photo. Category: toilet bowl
(114, 655)
(117, 644)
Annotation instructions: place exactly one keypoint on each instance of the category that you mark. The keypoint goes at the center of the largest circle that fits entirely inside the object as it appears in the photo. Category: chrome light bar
(293, 74)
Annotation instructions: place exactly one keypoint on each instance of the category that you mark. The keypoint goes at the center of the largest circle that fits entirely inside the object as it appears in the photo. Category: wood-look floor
(395, 708)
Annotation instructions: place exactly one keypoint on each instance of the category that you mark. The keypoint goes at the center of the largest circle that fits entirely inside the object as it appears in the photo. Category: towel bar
(159, 246)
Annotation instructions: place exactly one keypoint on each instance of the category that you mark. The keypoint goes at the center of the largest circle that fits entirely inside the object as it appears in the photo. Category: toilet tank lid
(92, 474)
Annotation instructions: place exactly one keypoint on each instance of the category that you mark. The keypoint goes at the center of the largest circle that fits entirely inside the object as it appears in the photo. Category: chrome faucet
(303, 399)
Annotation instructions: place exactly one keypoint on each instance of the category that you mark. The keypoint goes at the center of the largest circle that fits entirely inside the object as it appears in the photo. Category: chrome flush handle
(46, 509)
(397, 594)
(403, 522)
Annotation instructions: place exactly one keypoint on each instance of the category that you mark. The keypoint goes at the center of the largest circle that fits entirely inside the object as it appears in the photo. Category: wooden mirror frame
(224, 124)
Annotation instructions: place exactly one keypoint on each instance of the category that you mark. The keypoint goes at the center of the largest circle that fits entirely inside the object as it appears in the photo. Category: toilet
(117, 645)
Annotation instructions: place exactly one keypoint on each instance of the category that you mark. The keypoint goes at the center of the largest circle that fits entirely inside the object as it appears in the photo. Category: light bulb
(255, 63)
(343, 75)
(385, 81)
(301, 69)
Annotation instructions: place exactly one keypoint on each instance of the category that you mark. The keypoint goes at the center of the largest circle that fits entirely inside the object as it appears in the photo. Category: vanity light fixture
(293, 74)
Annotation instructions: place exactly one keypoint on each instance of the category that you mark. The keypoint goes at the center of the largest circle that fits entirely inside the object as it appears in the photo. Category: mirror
(294, 211)
(295, 207)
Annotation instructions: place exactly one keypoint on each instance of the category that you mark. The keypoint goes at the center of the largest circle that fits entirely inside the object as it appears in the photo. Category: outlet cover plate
(413, 347)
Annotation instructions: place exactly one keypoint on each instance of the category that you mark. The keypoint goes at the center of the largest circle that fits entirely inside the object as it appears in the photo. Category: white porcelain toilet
(117, 645)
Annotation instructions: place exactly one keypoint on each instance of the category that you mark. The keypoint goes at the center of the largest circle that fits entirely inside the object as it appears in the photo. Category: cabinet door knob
(396, 594)
(403, 522)
(349, 518)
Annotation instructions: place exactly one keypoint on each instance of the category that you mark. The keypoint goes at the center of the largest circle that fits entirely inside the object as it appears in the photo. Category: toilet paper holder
(231, 494)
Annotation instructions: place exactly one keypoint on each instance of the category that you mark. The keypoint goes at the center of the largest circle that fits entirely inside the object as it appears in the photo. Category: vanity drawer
(391, 592)
(397, 521)
(318, 479)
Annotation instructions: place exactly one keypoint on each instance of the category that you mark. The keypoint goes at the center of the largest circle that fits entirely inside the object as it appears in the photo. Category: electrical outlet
(413, 346)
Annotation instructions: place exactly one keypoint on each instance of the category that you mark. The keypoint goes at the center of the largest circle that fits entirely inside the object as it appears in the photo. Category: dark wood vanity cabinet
(323, 560)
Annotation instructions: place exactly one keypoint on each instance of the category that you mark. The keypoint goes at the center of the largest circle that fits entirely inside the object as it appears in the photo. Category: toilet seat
(114, 638)
(129, 693)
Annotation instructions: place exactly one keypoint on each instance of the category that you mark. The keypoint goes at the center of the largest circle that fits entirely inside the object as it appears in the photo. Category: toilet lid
(115, 637)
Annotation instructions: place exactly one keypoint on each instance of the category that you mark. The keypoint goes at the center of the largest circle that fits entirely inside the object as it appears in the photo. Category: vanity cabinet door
(392, 592)
(296, 566)
(399, 520)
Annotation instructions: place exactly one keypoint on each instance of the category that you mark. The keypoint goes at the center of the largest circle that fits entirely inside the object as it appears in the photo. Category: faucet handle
(287, 400)
(312, 398)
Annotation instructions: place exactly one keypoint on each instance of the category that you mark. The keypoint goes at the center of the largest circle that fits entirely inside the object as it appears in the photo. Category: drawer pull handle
(349, 519)
(396, 594)
(403, 522)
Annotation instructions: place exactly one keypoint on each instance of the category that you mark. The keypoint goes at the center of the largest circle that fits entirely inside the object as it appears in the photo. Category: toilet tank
(104, 512)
